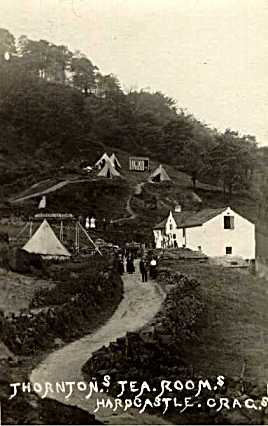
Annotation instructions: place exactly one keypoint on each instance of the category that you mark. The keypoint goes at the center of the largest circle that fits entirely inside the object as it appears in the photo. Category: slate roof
(161, 225)
(188, 219)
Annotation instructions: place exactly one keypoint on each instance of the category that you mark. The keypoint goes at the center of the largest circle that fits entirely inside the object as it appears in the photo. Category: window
(199, 248)
(174, 236)
(228, 222)
(228, 250)
(183, 232)
(171, 227)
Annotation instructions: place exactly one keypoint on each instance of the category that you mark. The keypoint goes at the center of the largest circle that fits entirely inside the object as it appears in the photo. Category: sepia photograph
(133, 212)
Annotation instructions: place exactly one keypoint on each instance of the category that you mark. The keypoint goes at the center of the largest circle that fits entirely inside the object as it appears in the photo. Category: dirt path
(140, 304)
(132, 214)
(51, 188)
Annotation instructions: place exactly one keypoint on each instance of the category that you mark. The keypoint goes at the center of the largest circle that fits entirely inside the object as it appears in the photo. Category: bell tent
(101, 162)
(159, 175)
(115, 162)
(108, 171)
(43, 203)
(45, 242)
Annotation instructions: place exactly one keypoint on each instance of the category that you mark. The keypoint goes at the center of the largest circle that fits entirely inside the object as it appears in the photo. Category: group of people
(148, 267)
(129, 268)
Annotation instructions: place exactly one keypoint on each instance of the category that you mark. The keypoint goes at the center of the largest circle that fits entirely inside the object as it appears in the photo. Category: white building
(215, 232)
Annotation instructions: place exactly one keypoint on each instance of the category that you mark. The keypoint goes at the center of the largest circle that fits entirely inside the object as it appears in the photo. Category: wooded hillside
(57, 109)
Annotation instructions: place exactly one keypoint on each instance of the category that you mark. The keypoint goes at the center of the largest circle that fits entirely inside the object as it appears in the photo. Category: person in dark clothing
(130, 265)
(143, 270)
(121, 268)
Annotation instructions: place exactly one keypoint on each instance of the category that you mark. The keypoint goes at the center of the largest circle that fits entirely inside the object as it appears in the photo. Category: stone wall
(82, 301)
(156, 353)
(154, 349)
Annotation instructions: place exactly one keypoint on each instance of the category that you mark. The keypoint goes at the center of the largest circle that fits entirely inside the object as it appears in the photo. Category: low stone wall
(156, 353)
(154, 350)
(82, 301)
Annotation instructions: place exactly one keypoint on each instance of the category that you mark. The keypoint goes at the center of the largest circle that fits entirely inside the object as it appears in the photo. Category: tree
(176, 134)
(45, 60)
(232, 160)
(58, 61)
(34, 55)
(83, 73)
(107, 85)
(195, 159)
(7, 43)
(160, 107)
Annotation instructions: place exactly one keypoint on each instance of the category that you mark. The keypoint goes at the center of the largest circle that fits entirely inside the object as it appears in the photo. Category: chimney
(178, 208)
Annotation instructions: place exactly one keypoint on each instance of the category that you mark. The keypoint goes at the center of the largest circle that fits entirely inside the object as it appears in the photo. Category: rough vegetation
(64, 312)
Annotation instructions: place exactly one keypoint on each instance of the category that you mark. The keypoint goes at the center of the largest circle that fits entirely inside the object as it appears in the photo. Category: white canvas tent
(196, 198)
(101, 162)
(43, 203)
(45, 242)
(159, 175)
(115, 162)
(108, 171)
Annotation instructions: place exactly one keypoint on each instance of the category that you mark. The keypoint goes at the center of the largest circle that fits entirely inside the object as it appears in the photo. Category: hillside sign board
(139, 164)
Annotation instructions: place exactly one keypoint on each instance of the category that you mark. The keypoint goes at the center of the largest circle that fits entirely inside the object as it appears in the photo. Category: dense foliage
(56, 107)
(64, 311)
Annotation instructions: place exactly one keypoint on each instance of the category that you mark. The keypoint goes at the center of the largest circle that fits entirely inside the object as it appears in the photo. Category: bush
(64, 310)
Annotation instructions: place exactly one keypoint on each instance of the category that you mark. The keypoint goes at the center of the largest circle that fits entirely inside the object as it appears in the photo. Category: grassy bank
(232, 338)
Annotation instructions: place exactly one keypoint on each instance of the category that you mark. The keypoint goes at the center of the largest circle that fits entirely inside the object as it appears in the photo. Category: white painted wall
(171, 230)
(213, 238)
(158, 238)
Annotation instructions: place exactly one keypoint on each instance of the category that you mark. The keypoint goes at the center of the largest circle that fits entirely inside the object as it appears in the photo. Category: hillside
(132, 213)
(58, 113)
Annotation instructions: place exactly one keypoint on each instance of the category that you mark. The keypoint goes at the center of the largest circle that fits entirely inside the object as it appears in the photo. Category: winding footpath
(140, 304)
(132, 215)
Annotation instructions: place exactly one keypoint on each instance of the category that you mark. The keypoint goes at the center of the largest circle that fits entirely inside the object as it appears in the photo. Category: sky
(211, 56)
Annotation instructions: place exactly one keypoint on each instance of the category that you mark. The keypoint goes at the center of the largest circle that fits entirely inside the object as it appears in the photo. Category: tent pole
(31, 229)
(61, 231)
(88, 237)
(22, 230)
(76, 238)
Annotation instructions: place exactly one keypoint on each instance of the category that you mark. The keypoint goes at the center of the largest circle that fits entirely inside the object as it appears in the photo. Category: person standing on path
(153, 268)
(121, 265)
(130, 264)
(144, 269)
